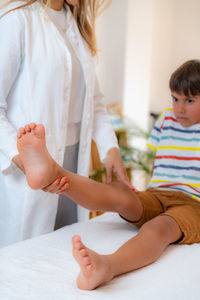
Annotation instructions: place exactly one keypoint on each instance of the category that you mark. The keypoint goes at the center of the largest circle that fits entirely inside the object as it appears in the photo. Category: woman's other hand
(115, 166)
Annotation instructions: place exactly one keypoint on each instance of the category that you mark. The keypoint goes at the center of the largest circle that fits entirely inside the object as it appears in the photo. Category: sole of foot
(40, 168)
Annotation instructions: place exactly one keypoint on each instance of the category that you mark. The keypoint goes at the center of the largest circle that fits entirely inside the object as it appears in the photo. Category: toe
(78, 246)
(27, 128)
(22, 130)
(32, 125)
(83, 252)
(86, 261)
(39, 131)
(76, 238)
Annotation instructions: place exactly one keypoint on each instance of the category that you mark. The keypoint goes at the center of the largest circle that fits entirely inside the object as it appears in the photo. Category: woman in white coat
(47, 76)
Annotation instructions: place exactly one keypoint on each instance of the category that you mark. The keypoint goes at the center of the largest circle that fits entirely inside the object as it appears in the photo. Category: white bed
(43, 267)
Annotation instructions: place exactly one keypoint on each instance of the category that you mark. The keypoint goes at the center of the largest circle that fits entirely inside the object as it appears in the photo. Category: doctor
(47, 76)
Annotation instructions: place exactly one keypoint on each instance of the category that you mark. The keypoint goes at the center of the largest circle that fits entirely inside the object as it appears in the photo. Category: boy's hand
(114, 165)
(59, 186)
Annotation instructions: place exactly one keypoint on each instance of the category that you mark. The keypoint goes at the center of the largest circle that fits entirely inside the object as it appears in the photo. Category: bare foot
(95, 268)
(40, 169)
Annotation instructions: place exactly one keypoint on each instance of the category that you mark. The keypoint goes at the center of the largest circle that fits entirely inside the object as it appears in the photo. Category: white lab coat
(35, 86)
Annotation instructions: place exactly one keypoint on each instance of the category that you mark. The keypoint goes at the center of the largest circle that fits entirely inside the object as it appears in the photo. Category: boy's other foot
(95, 268)
(40, 169)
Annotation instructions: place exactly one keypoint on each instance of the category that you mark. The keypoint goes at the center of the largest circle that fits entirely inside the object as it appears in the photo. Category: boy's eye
(190, 100)
(174, 99)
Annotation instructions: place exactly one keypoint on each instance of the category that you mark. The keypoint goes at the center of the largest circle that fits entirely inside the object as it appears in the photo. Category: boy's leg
(41, 170)
(142, 250)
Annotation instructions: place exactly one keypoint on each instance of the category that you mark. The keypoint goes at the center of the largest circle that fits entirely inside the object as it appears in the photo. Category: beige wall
(176, 39)
(141, 43)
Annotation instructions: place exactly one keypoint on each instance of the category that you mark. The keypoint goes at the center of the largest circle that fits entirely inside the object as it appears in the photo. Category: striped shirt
(177, 162)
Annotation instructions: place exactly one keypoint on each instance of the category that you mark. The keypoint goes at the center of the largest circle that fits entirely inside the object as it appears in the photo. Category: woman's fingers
(59, 186)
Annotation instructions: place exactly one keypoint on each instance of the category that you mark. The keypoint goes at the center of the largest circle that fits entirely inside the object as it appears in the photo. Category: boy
(168, 212)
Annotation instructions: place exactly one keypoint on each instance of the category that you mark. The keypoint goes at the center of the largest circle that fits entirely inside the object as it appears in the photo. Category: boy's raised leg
(41, 170)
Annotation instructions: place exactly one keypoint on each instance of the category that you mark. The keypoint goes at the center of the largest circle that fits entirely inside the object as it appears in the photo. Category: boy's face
(186, 109)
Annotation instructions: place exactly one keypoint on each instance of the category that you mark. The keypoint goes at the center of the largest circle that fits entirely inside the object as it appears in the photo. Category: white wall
(138, 60)
(150, 27)
(161, 56)
(111, 36)
(186, 37)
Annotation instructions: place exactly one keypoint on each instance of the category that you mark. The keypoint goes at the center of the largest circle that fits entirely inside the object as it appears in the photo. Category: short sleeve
(155, 135)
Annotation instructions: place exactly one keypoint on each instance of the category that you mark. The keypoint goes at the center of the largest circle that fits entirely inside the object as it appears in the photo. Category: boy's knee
(127, 201)
(151, 231)
(161, 228)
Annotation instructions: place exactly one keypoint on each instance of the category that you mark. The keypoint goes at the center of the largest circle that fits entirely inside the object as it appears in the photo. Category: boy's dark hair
(186, 79)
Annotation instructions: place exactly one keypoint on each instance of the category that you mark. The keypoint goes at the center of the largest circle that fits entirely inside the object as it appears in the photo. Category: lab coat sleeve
(10, 61)
(103, 133)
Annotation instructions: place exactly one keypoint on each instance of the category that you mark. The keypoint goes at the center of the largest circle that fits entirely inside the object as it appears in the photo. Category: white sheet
(43, 268)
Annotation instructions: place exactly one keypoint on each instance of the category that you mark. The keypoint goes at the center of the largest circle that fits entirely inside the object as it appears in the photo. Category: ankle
(111, 266)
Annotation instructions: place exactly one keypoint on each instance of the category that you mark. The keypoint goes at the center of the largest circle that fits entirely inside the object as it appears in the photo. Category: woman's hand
(114, 165)
(16, 159)
(59, 186)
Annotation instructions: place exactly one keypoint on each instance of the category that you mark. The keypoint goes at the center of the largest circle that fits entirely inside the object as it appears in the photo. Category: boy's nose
(181, 108)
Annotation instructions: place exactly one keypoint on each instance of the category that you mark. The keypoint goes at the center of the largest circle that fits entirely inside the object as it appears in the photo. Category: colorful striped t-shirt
(177, 162)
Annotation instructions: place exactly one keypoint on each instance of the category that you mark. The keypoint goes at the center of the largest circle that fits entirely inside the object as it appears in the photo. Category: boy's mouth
(180, 118)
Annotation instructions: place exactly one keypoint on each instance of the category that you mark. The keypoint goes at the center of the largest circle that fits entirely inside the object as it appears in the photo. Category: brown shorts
(181, 207)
